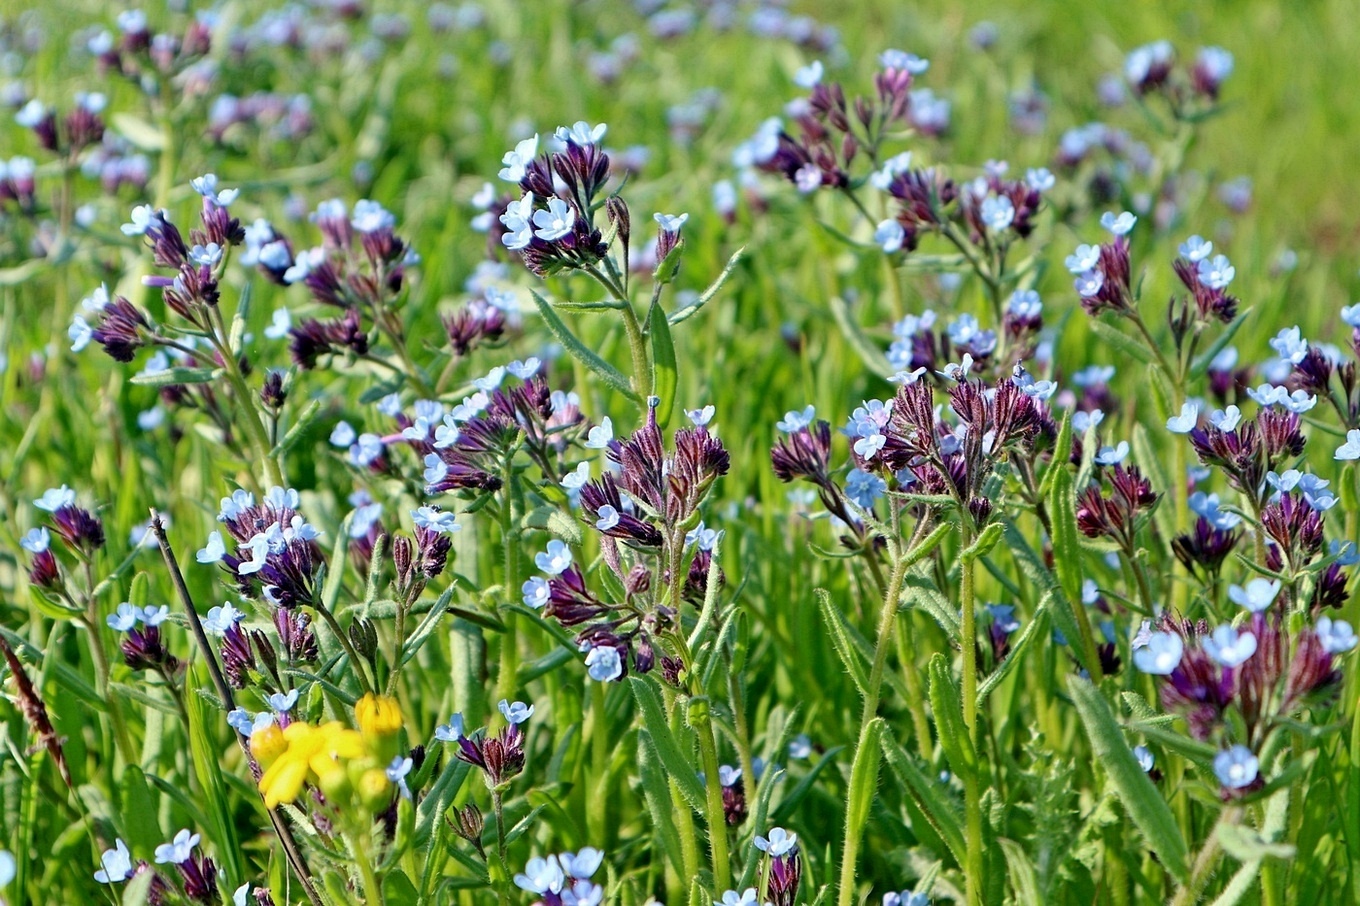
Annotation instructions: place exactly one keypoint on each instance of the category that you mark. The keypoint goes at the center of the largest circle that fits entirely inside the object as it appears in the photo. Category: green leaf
(1024, 881)
(167, 376)
(582, 353)
(397, 889)
(796, 795)
(1200, 366)
(143, 135)
(840, 640)
(1067, 550)
(926, 793)
(947, 707)
(864, 775)
(207, 766)
(679, 767)
(1246, 845)
(1062, 452)
(1054, 599)
(1140, 797)
(656, 793)
(1122, 342)
(138, 890)
(663, 364)
(692, 309)
(299, 428)
(867, 350)
(984, 543)
(1153, 465)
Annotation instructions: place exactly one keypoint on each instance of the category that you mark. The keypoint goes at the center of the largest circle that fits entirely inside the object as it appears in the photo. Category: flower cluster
(563, 879)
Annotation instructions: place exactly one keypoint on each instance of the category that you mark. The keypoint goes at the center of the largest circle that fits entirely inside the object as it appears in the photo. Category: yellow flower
(267, 743)
(378, 715)
(375, 789)
(311, 753)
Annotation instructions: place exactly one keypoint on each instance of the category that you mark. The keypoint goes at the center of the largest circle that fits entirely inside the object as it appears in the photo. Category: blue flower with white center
(1226, 419)
(541, 876)
(220, 619)
(1290, 345)
(451, 731)
(1350, 450)
(1144, 758)
(516, 163)
(54, 499)
(115, 864)
(436, 520)
(600, 436)
(31, 114)
(893, 167)
(670, 223)
(1085, 421)
(1215, 62)
(1335, 636)
(863, 488)
(245, 723)
(371, 217)
(142, 217)
(795, 421)
(555, 560)
(177, 851)
(515, 713)
(608, 518)
(1196, 249)
(304, 263)
(209, 255)
(554, 222)
(1025, 303)
(1256, 595)
(1216, 272)
(890, 236)
(79, 333)
(214, 551)
(907, 378)
(728, 775)
(1229, 647)
(1112, 456)
(998, 212)
(518, 223)
(1039, 179)
(1161, 655)
(124, 618)
(1118, 225)
(779, 843)
(1206, 506)
(810, 75)
(206, 185)
(279, 326)
(524, 368)
(1088, 283)
(1236, 767)
(283, 702)
(808, 178)
(35, 541)
(1186, 421)
(701, 417)
(900, 59)
(535, 592)
(869, 445)
(1351, 315)
(580, 133)
(1266, 395)
(957, 371)
(397, 773)
(470, 407)
(706, 538)
(276, 255)
(1298, 402)
(731, 898)
(153, 616)
(603, 664)
(366, 450)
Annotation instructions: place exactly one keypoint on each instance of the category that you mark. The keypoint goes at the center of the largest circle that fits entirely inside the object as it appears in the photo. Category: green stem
(713, 806)
(373, 893)
(506, 682)
(971, 787)
(254, 424)
(597, 805)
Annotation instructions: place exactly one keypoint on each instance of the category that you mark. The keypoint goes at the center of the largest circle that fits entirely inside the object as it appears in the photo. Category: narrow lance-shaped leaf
(1141, 799)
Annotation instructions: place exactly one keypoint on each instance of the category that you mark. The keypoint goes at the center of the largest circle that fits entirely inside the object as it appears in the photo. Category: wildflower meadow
(639, 452)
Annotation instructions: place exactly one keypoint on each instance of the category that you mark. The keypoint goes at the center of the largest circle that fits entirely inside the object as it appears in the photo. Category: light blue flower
(1084, 259)
(220, 619)
(206, 185)
(1216, 272)
(795, 421)
(1112, 456)
(864, 488)
(1229, 647)
(1226, 419)
(1256, 595)
(515, 163)
(535, 592)
(35, 541)
(608, 517)
(603, 664)
(1196, 249)
(1144, 757)
(600, 435)
(283, 702)
(1236, 767)
(1350, 450)
(1118, 225)
(451, 731)
(555, 222)
(54, 499)
(518, 223)
(779, 843)
(1039, 179)
(124, 618)
(579, 133)
(177, 851)
(1290, 345)
(998, 212)
(1336, 636)
(397, 771)
(670, 223)
(1088, 283)
(435, 520)
(116, 864)
(515, 713)
(1186, 421)
(1161, 655)
(890, 236)
(371, 217)
(701, 417)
